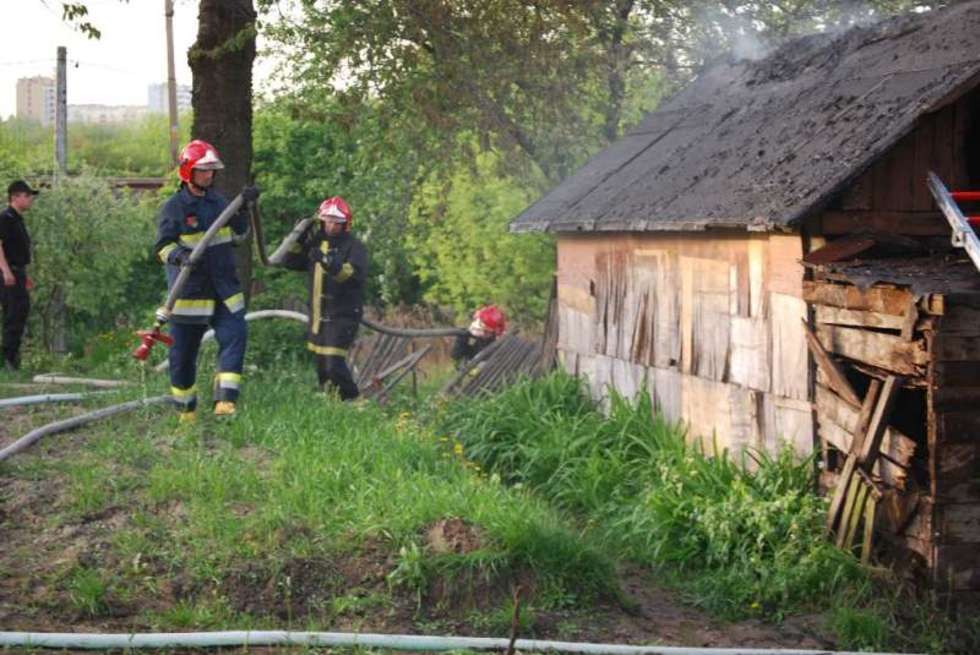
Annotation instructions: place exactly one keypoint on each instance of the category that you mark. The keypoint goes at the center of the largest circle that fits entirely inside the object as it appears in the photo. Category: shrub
(746, 542)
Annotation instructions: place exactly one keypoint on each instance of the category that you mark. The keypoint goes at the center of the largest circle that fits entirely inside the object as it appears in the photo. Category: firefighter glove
(250, 193)
(180, 257)
(331, 262)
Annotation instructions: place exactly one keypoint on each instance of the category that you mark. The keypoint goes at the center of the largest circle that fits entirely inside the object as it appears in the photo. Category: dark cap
(20, 186)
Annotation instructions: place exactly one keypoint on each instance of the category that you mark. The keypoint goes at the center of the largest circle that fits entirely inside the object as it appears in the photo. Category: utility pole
(168, 9)
(61, 113)
(59, 342)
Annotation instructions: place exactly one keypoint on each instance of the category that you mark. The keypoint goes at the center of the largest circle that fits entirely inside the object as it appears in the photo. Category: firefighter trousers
(231, 333)
(331, 345)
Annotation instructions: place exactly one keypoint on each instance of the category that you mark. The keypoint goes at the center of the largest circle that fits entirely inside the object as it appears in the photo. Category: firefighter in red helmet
(488, 324)
(212, 295)
(336, 263)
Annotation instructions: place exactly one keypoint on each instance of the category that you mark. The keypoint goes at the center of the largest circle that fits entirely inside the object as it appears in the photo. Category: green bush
(745, 542)
(92, 248)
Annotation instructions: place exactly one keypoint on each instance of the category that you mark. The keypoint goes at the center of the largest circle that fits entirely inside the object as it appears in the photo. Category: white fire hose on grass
(239, 638)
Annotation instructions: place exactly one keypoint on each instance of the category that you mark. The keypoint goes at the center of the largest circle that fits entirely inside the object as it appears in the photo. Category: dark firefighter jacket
(334, 299)
(183, 220)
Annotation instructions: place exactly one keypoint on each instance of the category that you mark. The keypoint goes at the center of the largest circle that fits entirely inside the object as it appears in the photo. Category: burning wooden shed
(774, 197)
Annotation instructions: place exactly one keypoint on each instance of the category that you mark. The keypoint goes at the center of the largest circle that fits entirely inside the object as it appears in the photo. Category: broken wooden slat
(839, 250)
(857, 512)
(892, 474)
(871, 399)
(869, 528)
(850, 495)
(841, 491)
(885, 351)
(829, 367)
(871, 444)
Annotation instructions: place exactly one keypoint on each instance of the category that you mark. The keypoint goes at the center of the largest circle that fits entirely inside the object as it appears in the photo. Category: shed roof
(760, 144)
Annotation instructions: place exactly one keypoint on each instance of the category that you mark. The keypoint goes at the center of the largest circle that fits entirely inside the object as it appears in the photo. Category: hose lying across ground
(367, 641)
(302, 318)
(71, 423)
(41, 399)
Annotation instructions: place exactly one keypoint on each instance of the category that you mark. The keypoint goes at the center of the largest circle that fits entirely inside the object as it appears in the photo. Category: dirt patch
(454, 535)
(296, 588)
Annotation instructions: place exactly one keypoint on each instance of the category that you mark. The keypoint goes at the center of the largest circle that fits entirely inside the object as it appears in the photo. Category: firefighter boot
(224, 408)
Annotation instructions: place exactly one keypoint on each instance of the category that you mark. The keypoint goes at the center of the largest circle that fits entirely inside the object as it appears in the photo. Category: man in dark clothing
(488, 324)
(337, 264)
(15, 255)
(212, 295)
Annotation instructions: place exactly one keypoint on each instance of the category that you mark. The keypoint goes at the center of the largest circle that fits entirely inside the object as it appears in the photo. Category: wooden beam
(884, 300)
(867, 407)
(857, 318)
(871, 444)
(835, 376)
(888, 352)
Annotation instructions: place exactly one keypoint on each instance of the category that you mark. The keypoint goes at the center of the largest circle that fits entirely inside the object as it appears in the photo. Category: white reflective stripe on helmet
(209, 162)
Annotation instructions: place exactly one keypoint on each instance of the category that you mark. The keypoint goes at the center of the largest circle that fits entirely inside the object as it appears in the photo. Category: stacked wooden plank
(897, 401)
(505, 360)
(382, 361)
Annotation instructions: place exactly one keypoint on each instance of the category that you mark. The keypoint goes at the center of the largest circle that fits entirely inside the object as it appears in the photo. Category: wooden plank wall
(710, 325)
(954, 444)
(892, 196)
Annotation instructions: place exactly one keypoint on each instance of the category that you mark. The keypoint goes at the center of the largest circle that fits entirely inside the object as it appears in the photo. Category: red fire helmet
(492, 318)
(336, 209)
(200, 155)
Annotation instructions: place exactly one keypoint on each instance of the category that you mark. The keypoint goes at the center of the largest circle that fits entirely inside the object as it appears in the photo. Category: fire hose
(258, 638)
(34, 436)
(150, 337)
(302, 318)
(276, 258)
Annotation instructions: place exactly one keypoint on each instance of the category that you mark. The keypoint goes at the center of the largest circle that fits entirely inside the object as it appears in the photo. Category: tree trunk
(221, 63)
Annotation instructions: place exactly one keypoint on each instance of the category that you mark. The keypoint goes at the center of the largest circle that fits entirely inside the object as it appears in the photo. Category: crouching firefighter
(212, 296)
(487, 325)
(337, 265)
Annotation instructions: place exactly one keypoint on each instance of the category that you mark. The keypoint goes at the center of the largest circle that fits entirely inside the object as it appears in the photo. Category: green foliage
(747, 542)
(140, 148)
(92, 249)
(462, 250)
(305, 152)
(88, 592)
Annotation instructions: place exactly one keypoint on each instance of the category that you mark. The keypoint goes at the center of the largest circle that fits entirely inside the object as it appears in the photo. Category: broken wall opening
(914, 325)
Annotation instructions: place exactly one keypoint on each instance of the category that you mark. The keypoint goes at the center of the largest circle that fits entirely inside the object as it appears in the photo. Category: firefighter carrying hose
(212, 295)
(337, 265)
(488, 324)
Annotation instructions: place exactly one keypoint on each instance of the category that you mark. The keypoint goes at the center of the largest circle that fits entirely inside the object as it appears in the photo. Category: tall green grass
(299, 477)
(744, 535)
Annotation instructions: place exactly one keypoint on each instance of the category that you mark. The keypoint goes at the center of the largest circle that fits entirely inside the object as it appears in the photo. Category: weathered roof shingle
(760, 144)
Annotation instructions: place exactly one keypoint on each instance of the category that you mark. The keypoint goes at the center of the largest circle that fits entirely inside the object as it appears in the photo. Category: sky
(113, 70)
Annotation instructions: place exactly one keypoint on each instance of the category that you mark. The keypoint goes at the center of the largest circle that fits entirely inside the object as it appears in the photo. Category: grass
(740, 538)
(275, 503)
(289, 489)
